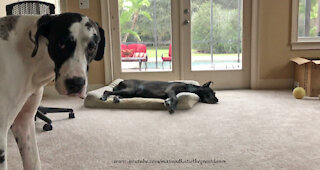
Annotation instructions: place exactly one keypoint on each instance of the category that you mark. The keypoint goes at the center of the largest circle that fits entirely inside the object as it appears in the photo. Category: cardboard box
(307, 75)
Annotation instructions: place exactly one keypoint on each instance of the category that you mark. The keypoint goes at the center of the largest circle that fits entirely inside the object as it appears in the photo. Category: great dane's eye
(64, 42)
(91, 47)
(62, 46)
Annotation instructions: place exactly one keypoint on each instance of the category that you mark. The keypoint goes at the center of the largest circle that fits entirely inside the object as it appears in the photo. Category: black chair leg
(41, 116)
(54, 109)
(42, 111)
(47, 126)
(46, 110)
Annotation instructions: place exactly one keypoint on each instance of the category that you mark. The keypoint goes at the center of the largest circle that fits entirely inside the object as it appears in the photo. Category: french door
(200, 40)
(215, 40)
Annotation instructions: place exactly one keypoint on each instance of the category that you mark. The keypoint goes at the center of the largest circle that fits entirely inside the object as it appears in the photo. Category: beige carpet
(246, 130)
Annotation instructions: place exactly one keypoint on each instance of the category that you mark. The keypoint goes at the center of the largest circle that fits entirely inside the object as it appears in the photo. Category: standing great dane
(34, 50)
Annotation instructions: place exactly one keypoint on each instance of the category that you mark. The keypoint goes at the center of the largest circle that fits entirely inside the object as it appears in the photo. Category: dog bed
(186, 100)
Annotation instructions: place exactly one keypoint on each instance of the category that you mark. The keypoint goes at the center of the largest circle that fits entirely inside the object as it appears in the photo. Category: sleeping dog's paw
(105, 96)
(116, 99)
(168, 105)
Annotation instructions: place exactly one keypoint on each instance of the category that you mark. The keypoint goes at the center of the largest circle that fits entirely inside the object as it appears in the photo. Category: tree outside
(149, 22)
(225, 28)
(309, 21)
(130, 10)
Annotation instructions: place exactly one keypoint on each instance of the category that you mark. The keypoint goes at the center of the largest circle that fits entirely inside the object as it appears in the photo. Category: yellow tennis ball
(299, 92)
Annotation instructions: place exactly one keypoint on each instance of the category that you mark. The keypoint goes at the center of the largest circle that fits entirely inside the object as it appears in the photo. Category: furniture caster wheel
(47, 127)
(71, 115)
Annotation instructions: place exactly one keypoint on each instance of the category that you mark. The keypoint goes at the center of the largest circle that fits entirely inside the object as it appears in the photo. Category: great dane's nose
(75, 84)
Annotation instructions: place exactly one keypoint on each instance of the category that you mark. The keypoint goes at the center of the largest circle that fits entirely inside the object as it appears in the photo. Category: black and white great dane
(34, 50)
(162, 90)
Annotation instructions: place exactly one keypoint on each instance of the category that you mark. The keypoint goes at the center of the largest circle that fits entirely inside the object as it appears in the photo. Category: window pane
(308, 23)
(145, 35)
(216, 34)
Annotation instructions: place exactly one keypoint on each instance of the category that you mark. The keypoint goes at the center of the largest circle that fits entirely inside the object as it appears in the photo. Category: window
(305, 24)
(145, 35)
(216, 35)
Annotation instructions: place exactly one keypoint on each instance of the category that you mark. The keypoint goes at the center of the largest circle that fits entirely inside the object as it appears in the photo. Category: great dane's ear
(44, 24)
(207, 84)
(101, 45)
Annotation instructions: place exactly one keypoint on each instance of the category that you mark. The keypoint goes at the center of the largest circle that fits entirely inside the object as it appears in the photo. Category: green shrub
(225, 29)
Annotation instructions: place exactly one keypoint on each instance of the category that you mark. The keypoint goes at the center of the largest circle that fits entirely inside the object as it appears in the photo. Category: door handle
(186, 22)
(186, 11)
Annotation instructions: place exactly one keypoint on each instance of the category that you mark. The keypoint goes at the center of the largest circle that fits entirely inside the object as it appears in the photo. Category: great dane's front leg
(3, 147)
(171, 102)
(105, 95)
(23, 129)
(123, 93)
(4, 128)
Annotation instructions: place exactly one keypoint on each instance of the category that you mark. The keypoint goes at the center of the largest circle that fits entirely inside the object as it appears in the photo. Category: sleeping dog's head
(206, 94)
(73, 42)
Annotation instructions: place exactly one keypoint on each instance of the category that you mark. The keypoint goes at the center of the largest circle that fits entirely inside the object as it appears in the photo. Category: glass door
(145, 45)
(218, 42)
(145, 33)
(200, 40)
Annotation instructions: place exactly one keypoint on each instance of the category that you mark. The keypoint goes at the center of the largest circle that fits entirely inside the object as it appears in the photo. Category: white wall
(3, 4)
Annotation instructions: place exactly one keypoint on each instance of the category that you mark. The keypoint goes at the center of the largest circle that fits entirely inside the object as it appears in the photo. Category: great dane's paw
(116, 99)
(2, 159)
(105, 96)
(171, 111)
(167, 103)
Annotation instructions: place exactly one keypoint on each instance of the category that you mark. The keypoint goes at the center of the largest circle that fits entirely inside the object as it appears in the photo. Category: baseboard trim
(275, 84)
(50, 90)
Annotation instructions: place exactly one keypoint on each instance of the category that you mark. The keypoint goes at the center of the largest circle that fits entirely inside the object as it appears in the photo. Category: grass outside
(165, 51)
(162, 50)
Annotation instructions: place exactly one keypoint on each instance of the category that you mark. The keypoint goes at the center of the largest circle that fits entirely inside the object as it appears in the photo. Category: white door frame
(223, 79)
(114, 45)
(181, 57)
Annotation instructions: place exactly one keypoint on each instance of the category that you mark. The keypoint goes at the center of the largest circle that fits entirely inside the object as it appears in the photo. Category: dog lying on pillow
(160, 89)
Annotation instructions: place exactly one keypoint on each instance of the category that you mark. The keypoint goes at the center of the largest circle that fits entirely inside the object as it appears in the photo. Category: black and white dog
(160, 89)
(34, 50)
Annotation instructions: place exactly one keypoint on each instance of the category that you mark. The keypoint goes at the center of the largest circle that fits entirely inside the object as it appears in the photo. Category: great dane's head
(206, 94)
(73, 42)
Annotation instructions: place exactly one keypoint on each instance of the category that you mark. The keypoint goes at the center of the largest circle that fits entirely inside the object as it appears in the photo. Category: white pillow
(186, 100)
